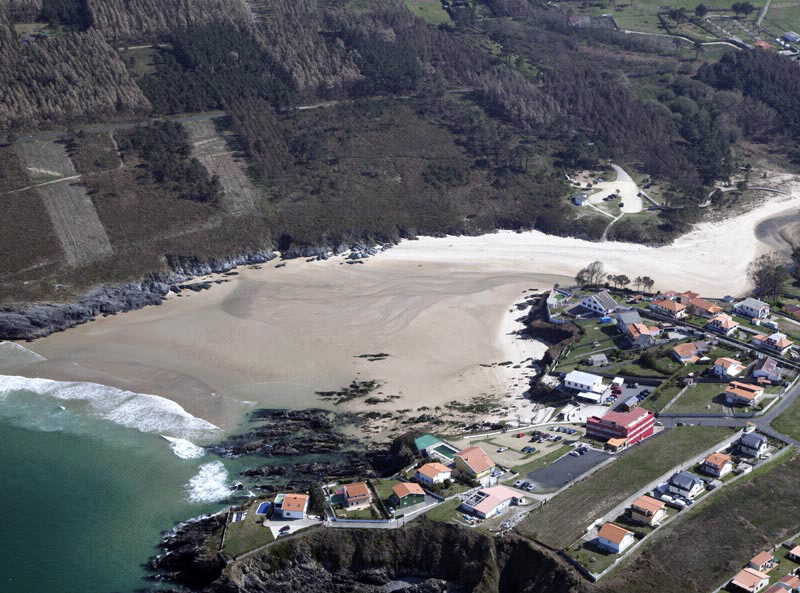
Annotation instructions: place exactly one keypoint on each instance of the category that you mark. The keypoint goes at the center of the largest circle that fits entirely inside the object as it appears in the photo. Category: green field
(429, 10)
(445, 512)
(565, 518)
(700, 399)
(714, 540)
(789, 422)
(246, 535)
(783, 16)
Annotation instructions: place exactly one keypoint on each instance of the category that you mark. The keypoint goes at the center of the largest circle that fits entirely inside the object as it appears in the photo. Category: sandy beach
(442, 309)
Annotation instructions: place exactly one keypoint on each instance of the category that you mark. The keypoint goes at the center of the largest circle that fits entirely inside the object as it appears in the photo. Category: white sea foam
(13, 354)
(184, 449)
(143, 412)
(209, 485)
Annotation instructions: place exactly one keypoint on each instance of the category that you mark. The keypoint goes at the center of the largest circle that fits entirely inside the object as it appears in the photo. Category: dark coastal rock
(29, 322)
(187, 558)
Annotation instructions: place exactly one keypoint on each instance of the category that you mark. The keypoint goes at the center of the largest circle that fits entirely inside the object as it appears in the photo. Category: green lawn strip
(696, 399)
(542, 461)
(565, 517)
(789, 421)
(445, 512)
(246, 535)
(429, 10)
(713, 541)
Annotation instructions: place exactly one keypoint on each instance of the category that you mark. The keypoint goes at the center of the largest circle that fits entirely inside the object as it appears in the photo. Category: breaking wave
(13, 354)
(185, 449)
(140, 411)
(210, 484)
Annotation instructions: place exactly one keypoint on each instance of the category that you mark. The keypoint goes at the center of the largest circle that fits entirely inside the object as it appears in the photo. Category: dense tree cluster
(163, 148)
(256, 125)
(77, 75)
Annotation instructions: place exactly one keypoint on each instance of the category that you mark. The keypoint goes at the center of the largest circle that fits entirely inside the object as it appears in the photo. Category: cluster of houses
(679, 492)
(754, 577)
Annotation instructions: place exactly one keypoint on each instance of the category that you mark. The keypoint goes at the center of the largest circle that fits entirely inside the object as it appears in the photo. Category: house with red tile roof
(763, 561)
(488, 502)
(743, 394)
(777, 343)
(727, 368)
(672, 309)
(750, 580)
(788, 583)
(614, 538)
(292, 506)
(689, 352)
(356, 496)
(722, 323)
(717, 465)
(648, 510)
(474, 462)
(433, 473)
(406, 494)
(703, 308)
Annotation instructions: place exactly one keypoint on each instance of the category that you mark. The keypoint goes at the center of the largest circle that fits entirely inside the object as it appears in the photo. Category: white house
(743, 394)
(717, 465)
(600, 302)
(767, 368)
(751, 580)
(777, 343)
(580, 381)
(753, 445)
(614, 538)
(727, 367)
(433, 473)
(685, 484)
(292, 506)
(722, 323)
(488, 502)
(751, 308)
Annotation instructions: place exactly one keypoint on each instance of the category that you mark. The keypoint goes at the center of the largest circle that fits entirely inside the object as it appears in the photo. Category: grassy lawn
(429, 10)
(246, 535)
(698, 399)
(789, 422)
(368, 513)
(595, 559)
(445, 512)
(565, 518)
(749, 516)
(384, 487)
(542, 461)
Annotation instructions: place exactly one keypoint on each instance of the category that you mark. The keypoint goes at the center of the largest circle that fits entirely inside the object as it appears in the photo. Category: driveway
(628, 191)
(566, 469)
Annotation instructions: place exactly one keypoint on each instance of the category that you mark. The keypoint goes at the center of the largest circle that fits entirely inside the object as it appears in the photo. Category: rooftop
(476, 459)
(425, 441)
(626, 418)
(433, 469)
(748, 579)
(718, 460)
(295, 502)
(673, 306)
(404, 489)
(613, 533)
(581, 377)
(648, 504)
(356, 490)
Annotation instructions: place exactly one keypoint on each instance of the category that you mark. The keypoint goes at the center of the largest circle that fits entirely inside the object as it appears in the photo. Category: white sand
(438, 307)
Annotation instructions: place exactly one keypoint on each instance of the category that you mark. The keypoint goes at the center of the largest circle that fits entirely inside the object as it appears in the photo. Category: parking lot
(559, 473)
(627, 393)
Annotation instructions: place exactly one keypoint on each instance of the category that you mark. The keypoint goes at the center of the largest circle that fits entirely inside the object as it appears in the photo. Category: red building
(632, 426)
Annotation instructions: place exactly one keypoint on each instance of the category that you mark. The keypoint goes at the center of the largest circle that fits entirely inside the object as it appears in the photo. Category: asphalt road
(566, 469)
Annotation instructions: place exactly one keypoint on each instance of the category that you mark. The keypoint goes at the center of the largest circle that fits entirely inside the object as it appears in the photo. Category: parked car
(530, 487)
(520, 435)
(667, 498)
(518, 483)
(574, 453)
(502, 449)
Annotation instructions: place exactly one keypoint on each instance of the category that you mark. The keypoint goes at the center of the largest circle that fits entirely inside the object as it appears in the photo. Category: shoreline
(443, 309)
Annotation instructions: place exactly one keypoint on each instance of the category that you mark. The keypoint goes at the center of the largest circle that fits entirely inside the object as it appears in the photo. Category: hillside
(326, 123)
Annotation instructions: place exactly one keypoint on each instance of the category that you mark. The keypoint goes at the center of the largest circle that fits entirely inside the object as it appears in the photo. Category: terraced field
(209, 147)
(45, 160)
(76, 223)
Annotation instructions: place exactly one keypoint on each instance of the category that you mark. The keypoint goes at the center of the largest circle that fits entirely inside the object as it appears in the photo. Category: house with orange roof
(356, 496)
(743, 394)
(703, 308)
(433, 473)
(689, 352)
(686, 297)
(292, 506)
(406, 494)
(614, 538)
(474, 462)
(717, 465)
(722, 323)
(777, 343)
(640, 335)
(787, 584)
(727, 368)
(648, 510)
(750, 580)
(671, 309)
(488, 502)
(763, 561)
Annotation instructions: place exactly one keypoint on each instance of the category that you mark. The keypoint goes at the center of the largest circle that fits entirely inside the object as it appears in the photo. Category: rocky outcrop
(38, 320)
(365, 560)
(188, 555)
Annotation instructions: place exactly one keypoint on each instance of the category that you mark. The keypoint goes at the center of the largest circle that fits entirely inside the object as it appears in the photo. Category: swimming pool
(263, 508)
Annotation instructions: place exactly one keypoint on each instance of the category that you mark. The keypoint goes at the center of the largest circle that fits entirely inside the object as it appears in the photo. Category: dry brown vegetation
(29, 246)
(12, 171)
(92, 153)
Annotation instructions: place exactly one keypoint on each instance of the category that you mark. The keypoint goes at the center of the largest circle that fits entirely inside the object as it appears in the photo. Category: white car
(502, 449)
(667, 498)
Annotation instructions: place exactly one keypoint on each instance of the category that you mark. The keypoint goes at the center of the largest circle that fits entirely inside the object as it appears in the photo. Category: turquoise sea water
(85, 498)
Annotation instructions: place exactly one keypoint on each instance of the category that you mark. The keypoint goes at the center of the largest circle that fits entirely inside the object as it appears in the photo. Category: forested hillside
(343, 121)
